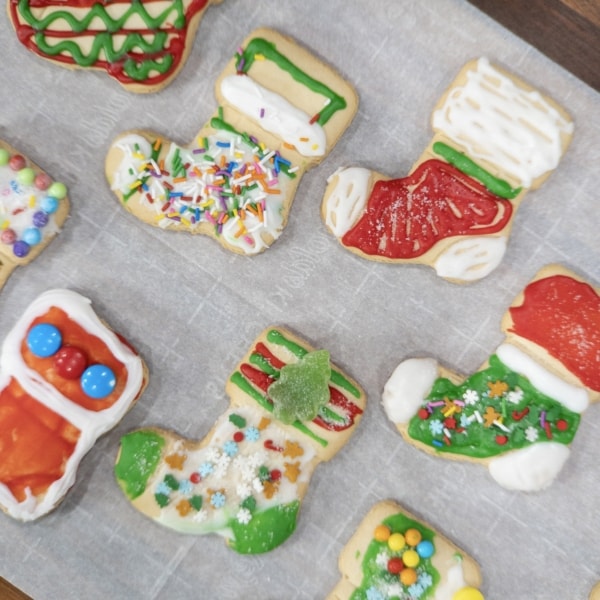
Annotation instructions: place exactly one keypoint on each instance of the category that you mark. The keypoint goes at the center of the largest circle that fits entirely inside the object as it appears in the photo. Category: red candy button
(70, 362)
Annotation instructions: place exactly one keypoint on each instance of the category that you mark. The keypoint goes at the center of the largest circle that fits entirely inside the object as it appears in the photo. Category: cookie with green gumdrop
(302, 388)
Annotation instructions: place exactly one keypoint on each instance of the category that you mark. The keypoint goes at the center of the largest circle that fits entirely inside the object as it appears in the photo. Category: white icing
(575, 398)
(529, 469)
(453, 581)
(493, 119)
(275, 114)
(471, 259)
(91, 424)
(347, 200)
(407, 388)
(201, 185)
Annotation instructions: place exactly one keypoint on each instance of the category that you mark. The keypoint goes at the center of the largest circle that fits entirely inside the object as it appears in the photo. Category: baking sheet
(192, 310)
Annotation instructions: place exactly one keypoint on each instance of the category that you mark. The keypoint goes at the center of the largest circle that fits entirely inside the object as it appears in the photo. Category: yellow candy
(396, 542)
(413, 536)
(410, 558)
(382, 533)
(408, 576)
(468, 593)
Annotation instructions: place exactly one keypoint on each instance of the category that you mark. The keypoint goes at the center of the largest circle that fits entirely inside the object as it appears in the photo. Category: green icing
(302, 388)
(138, 459)
(525, 414)
(463, 163)
(376, 578)
(260, 46)
(267, 529)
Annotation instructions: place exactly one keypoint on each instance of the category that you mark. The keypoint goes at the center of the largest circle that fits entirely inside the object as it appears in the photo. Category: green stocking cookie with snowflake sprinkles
(394, 555)
(521, 410)
(290, 410)
(495, 138)
(280, 113)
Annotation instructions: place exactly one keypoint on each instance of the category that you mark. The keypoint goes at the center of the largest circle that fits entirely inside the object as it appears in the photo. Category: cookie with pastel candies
(65, 379)
(281, 111)
(495, 138)
(521, 410)
(290, 409)
(393, 554)
(142, 45)
(33, 208)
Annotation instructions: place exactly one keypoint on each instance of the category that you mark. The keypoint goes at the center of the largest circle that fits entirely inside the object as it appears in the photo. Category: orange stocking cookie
(65, 379)
(33, 208)
(143, 45)
(495, 138)
(290, 410)
(521, 410)
(281, 112)
(395, 555)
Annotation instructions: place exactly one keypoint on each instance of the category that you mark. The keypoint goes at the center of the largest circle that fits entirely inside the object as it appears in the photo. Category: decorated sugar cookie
(595, 593)
(290, 409)
(495, 139)
(521, 410)
(33, 208)
(141, 44)
(394, 555)
(65, 379)
(280, 112)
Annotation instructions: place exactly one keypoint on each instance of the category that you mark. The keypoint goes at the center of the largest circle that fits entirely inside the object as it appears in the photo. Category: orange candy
(408, 576)
(413, 536)
(382, 533)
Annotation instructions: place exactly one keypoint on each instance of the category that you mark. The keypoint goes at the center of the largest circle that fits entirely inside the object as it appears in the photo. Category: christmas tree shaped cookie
(290, 409)
(33, 208)
(65, 379)
(520, 411)
(495, 139)
(280, 113)
(394, 555)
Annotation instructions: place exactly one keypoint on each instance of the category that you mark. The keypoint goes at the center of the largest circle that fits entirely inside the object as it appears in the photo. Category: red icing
(35, 442)
(562, 315)
(406, 217)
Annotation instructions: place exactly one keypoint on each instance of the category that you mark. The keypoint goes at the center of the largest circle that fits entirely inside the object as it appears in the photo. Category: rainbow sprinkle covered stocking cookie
(33, 208)
(65, 379)
(495, 139)
(394, 555)
(521, 410)
(141, 44)
(281, 112)
(290, 410)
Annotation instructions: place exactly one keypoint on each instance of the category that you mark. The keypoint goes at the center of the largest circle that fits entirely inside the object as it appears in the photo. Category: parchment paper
(192, 309)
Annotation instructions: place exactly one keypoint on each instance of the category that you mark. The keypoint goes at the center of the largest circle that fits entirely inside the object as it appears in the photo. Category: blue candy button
(98, 381)
(44, 340)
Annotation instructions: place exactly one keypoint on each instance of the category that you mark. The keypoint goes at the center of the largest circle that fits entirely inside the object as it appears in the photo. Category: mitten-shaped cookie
(520, 411)
(495, 139)
(395, 555)
(290, 410)
(33, 207)
(143, 45)
(65, 379)
(280, 112)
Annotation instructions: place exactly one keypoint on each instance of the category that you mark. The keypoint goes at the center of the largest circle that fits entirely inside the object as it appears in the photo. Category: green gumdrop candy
(302, 388)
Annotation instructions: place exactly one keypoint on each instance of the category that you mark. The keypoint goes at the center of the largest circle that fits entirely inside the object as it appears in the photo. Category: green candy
(26, 176)
(302, 388)
(57, 190)
(4, 156)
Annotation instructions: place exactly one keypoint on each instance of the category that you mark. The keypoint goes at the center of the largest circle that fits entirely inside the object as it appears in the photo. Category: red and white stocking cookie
(33, 208)
(394, 555)
(290, 409)
(521, 410)
(143, 45)
(281, 111)
(65, 379)
(495, 138)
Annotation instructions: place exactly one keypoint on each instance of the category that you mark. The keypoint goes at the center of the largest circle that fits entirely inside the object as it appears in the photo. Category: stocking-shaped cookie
(290, 410)
(65, 379)
(33, 207)
(393, 554)
(281, 112)
(520, 411)
(141, 44)
(495, 138)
